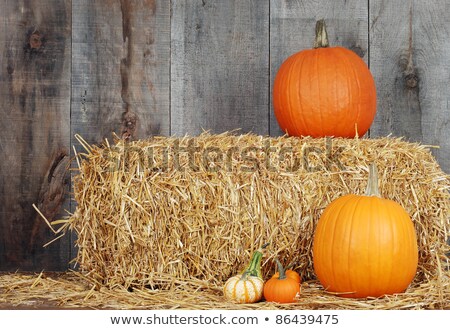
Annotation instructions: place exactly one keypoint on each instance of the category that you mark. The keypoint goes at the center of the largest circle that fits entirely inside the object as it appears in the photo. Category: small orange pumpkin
(289, 273)
(325, 91)
(281, 289)
(365, 245)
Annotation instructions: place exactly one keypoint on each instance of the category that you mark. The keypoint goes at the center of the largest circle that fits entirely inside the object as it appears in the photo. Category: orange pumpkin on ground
(365, 246)
(282, 289)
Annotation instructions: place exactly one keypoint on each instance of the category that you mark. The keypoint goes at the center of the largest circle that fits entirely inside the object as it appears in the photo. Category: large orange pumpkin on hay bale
(325, 91)
(365, 246)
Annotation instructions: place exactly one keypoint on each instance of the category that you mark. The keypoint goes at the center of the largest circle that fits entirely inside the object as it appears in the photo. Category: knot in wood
(35, 40)
(411, 80)
(130, 124)
(129, 121)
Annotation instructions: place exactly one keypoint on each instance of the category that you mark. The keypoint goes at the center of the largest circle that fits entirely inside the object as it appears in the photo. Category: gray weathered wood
(292, 28)
(219, 66)
(120, 70)
(410, 61)
(35, 53)
(120, 80)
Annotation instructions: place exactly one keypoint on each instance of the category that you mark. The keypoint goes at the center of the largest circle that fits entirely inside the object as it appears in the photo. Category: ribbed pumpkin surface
(324, 92)
(365, 246)
(244, 291)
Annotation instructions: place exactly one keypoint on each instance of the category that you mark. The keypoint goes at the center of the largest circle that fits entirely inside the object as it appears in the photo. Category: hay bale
(155, 213)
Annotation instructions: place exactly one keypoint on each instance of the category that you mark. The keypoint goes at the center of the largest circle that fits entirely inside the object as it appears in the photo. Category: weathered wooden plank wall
(159, 67)
(35, 42)
(120, 68)
(220, 66)
(410, 60)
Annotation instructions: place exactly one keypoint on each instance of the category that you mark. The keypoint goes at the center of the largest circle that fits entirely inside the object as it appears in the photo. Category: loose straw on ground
(73, 291)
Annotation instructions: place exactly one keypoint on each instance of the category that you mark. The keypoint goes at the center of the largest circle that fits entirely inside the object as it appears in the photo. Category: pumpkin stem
(254, 268)
(281, 270)
(372, 184)
(321, 35)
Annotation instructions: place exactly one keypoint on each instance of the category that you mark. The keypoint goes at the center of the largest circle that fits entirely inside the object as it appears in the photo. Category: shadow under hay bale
(156, 213)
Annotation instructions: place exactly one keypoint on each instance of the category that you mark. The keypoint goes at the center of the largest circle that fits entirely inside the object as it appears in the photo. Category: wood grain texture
(120, 70)
(410, 61)
(292, 29)
(35, 58)
(219, 66)
(120, 79)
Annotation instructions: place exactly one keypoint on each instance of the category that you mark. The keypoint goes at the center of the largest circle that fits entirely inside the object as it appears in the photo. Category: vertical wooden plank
(120, 69)
(120, 66)
(292, 25)
(35, 48)
(410, 60)
(219, 70)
